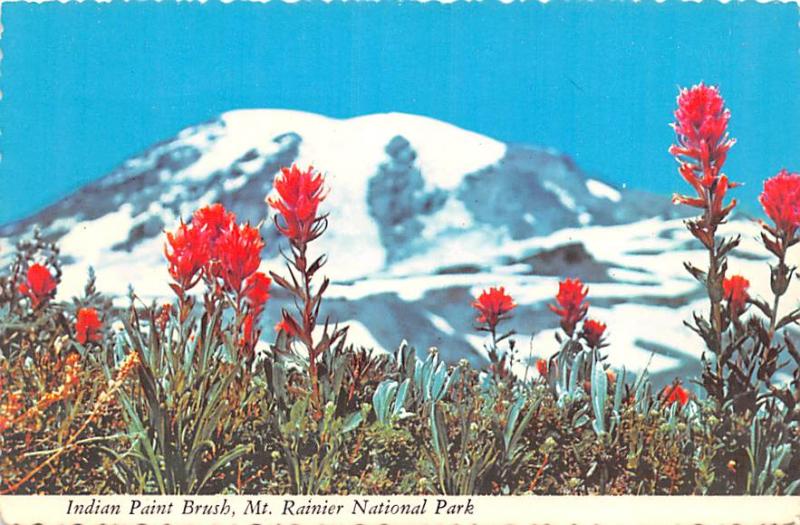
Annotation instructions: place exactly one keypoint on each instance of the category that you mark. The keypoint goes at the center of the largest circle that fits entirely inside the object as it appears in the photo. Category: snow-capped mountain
(422, 215)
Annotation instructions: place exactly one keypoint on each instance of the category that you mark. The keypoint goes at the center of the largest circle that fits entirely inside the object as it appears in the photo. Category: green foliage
(188, 407)
(194, 417)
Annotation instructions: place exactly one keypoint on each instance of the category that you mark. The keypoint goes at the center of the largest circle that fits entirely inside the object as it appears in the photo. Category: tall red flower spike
(593, 332)
(571, 306)
(781, 202)
(187, 252)
(299, 194)
(493, 306)
(674, 394)
(239, 254)
(87, 326)
(701, 123)
(735, 290)
(39, 286)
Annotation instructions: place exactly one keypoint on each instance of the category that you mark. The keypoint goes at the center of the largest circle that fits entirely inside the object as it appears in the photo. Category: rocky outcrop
(397, 199)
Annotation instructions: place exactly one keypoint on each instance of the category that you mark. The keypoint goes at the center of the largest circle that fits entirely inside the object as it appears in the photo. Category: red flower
(674, 393)
(299, 194)
(593, 332)
(781, 202)
(187, 251)
(735, 290)
(256, 290)
(39, 286)
(87, 326)
(212, 221)
(239, 254)
(701, 122)
(493, 305)
(571, 308)
(541, 367)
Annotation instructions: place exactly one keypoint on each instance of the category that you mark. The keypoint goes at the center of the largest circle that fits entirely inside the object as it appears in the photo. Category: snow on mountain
(422, 216)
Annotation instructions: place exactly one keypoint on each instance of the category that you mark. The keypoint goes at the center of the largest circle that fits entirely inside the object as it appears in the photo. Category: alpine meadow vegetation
(192, 395)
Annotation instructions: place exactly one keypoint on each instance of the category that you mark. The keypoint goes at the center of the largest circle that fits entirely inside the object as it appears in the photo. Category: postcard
(407, 262)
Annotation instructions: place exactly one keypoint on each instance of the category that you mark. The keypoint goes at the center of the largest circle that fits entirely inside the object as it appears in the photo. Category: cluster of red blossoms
(227, 255)
(213, 246)
(39, 286)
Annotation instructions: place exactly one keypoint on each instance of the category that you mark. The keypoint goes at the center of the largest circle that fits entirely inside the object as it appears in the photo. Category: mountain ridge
(422, 216)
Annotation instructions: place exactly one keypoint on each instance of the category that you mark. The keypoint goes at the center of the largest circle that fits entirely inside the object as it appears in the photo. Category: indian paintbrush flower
(781, 202)
(701, 129)
(493, 306)
(39, 286)
(571, 306)
(593, 332)
(187, 252)
(735, 290)
(239, 255)
(701, 123)
(87, 326)
(297, 195)
(541, 367)
(674, 393)
(212, 221)
(256, 290)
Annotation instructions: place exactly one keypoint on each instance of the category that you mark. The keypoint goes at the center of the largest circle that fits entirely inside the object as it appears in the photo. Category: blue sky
(86, 85)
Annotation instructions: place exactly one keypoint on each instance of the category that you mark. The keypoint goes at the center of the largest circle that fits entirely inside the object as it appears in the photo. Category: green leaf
(352, 422)
(400, 400)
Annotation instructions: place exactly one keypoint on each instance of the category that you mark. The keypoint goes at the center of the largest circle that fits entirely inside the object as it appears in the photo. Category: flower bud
(779, 279)
(549, 445)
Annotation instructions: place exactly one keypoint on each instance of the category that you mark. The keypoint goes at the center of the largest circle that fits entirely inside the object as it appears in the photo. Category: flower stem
(308, 325)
